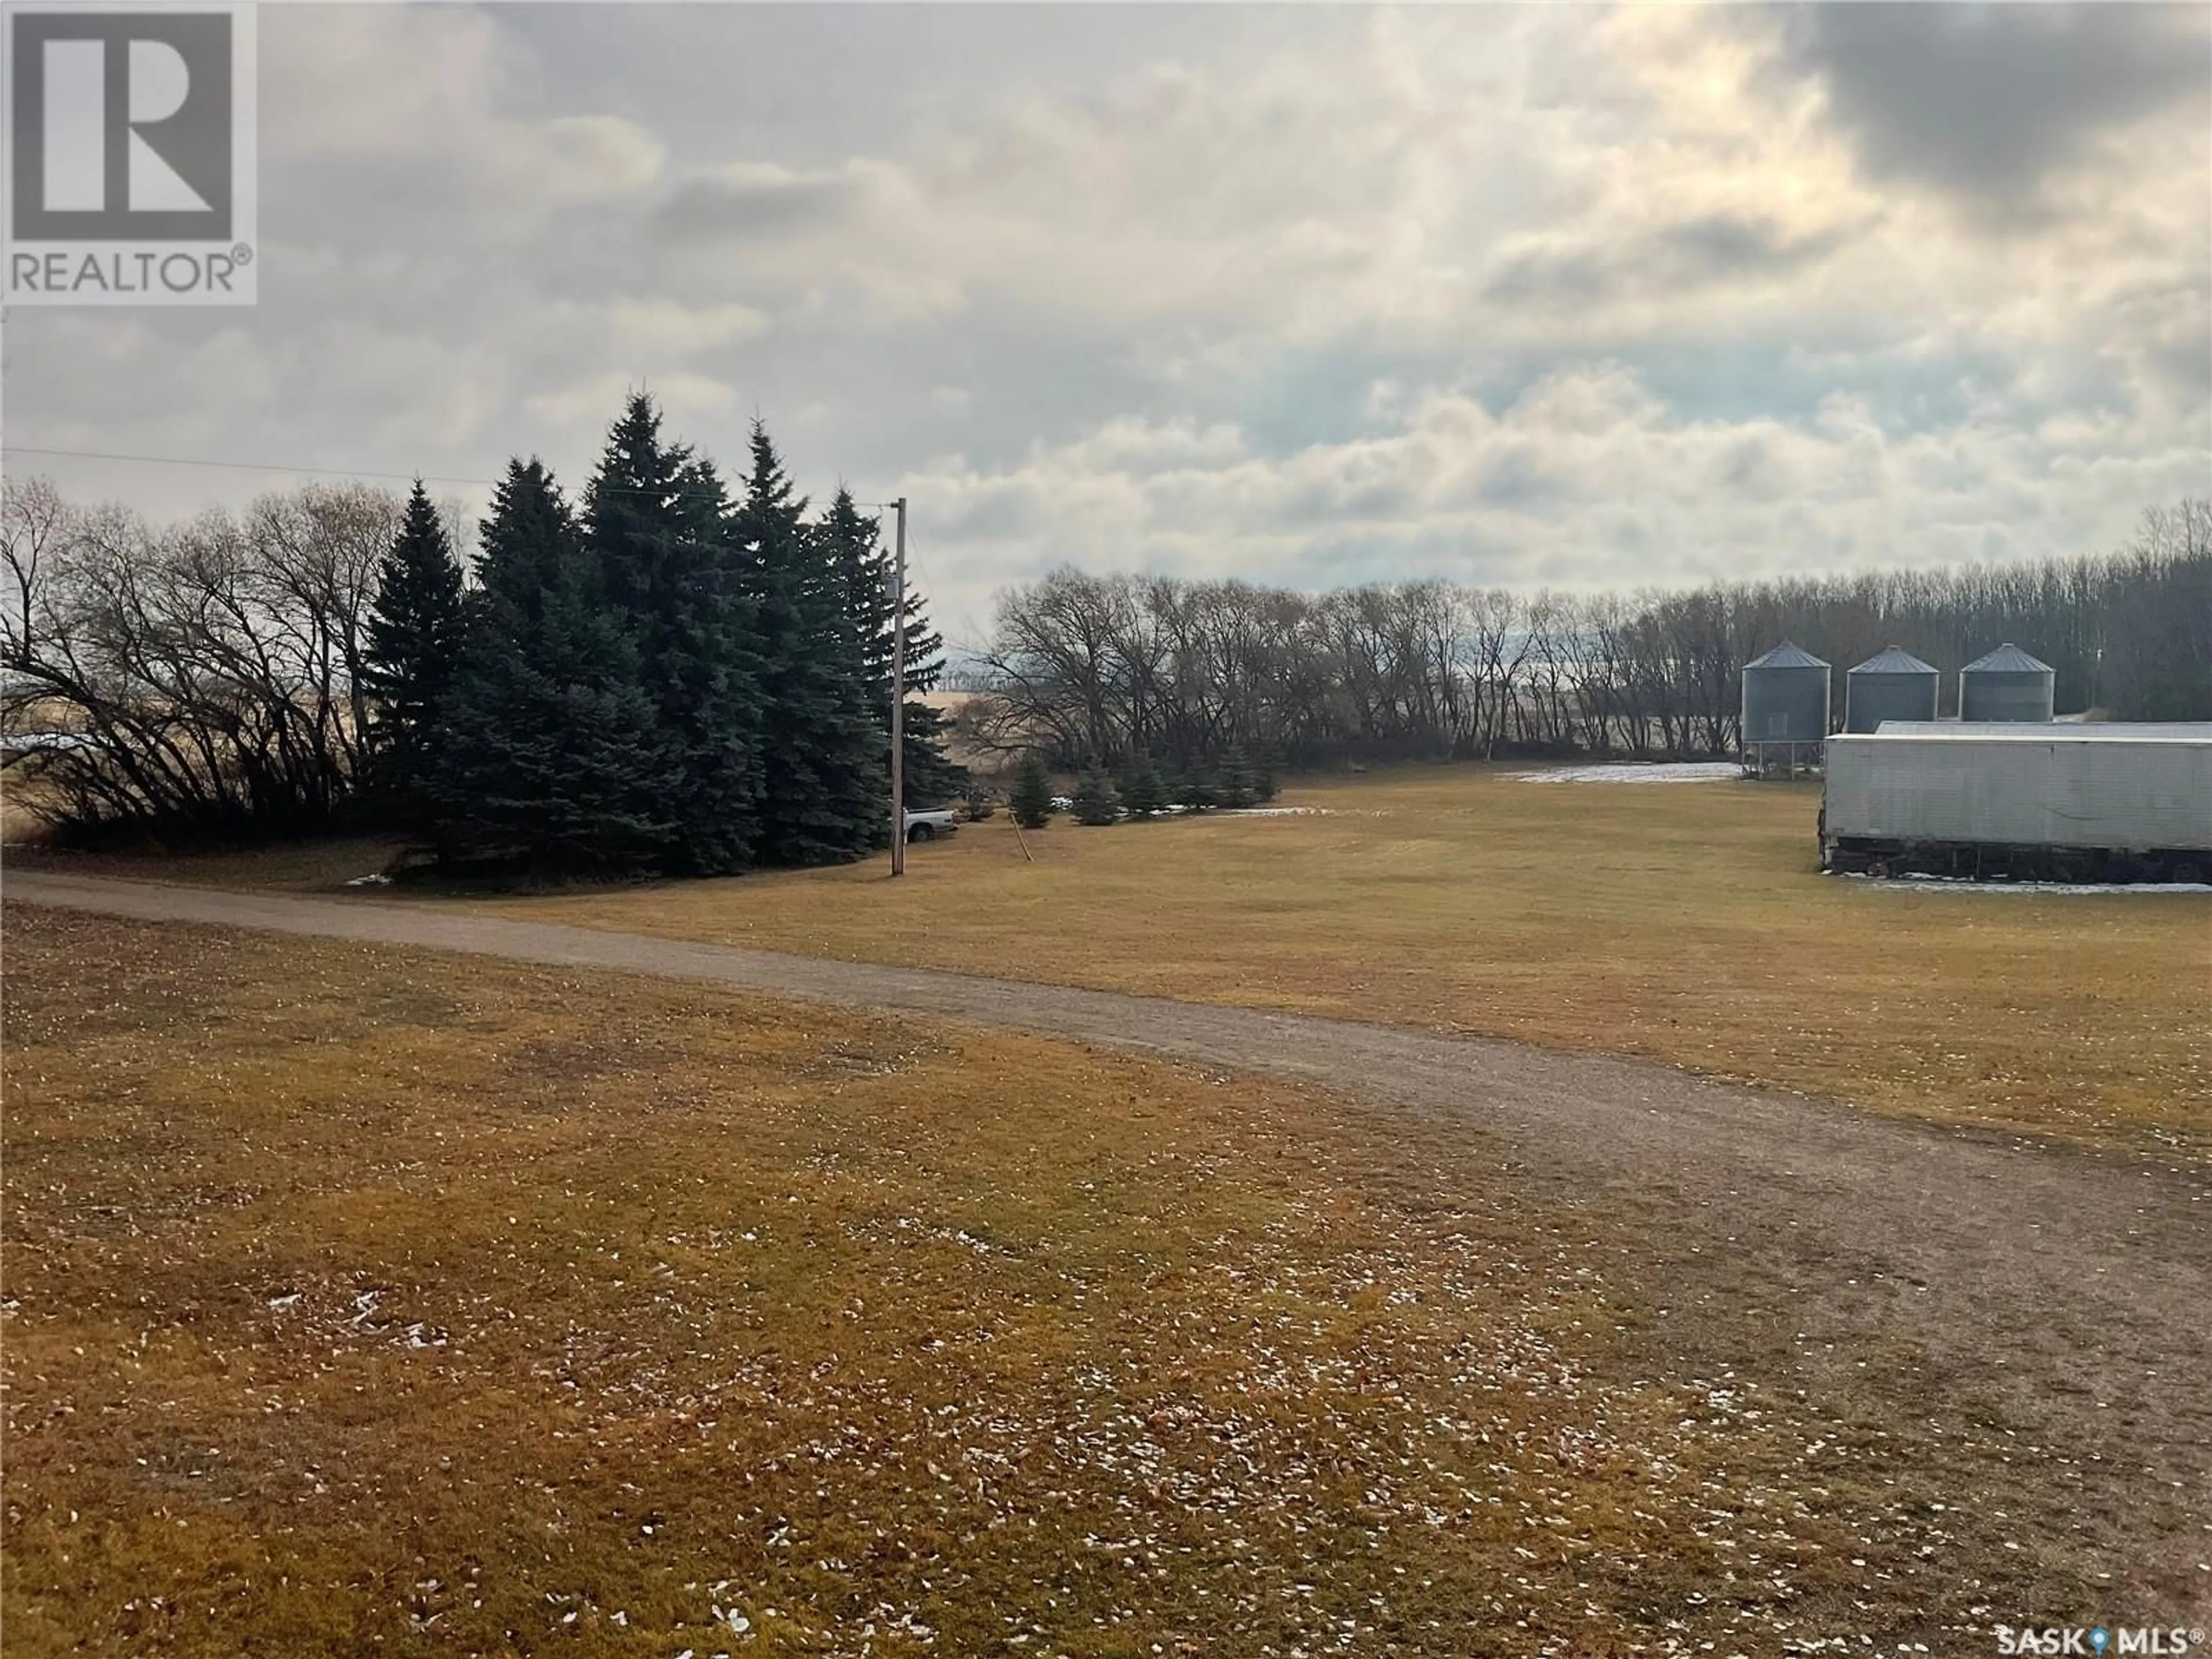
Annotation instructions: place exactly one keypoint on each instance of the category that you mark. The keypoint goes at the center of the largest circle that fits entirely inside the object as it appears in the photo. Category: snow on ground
(30, 740)
(1967, 884)
(1635, 772)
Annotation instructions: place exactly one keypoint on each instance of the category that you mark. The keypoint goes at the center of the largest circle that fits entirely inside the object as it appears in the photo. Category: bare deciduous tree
(203, 679)
(1100, 667)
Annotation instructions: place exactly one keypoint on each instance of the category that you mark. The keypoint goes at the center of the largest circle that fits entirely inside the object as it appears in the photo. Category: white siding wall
(2053, 792)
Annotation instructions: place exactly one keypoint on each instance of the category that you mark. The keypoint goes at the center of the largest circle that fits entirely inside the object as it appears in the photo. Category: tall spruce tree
(855, 541)
(658, 523)
(825, 769)
(549, 761)
(412, 652)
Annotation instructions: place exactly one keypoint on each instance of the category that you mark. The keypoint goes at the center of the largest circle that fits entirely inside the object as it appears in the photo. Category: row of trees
(1098, 668)
(668, 675)
(1139, 791)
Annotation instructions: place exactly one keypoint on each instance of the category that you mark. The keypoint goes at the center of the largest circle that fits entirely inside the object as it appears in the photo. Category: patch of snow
(1635, 772)
(373, 878)
(1278, 812)
(1968, 885)
(45, 740)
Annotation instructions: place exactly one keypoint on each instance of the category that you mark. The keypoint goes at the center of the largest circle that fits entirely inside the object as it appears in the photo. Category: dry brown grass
(1688, 923)
(361, 1300)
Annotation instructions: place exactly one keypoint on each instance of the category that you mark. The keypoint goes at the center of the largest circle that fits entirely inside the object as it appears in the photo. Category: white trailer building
(2074, 802)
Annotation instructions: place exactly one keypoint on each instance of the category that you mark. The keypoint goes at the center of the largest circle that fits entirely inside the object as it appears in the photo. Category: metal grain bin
(2007, 685)
(1895, 685)
(1785, 698)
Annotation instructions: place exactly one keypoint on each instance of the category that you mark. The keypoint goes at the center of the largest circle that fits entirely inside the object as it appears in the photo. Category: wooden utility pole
(898, 694)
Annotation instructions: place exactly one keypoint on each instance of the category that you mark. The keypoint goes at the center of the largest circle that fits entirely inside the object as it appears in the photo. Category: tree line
(1098, 669)
(666, 674)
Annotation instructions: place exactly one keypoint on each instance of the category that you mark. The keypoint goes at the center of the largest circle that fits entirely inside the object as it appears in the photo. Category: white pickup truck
(928, 826)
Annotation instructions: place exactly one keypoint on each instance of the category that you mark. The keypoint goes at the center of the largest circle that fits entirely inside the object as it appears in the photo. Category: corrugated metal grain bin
(2007, 684)
(1895, 685)
(1786, 697)
(2080, 789)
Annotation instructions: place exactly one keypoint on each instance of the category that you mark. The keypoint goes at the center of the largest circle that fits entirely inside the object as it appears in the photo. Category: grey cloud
(1282, 239)
(1515, 476)
(1719, 247)
(753, 204)
(1712, 248)
(1986, 100)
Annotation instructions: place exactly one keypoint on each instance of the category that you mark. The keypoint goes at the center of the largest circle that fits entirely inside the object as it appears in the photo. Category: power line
(325, 472)
(306, 471)
(241, 466)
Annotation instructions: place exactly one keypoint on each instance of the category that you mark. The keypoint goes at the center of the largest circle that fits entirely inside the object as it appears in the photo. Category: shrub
(980, 803)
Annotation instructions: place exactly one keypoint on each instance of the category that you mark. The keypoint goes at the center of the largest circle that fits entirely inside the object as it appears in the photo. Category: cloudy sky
(1541, 295)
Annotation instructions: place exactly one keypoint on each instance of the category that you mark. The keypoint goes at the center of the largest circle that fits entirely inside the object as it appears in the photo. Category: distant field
(361, 1300)
(1686, 922)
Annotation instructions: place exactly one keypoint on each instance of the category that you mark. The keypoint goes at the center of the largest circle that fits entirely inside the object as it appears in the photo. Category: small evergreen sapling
(1196, 793)
(1032, 800)
(1237, 784)
(1263, 774)
(1142, 793)
(1096, 802)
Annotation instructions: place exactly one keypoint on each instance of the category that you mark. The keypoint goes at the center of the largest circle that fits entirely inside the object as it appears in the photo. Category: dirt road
(2045, 1310)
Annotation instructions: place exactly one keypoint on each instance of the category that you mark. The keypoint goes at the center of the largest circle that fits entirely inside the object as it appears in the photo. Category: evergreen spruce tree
(1236, 784)
(413, 650)
(1142, 791)
(1032, 800)
(825, 777)
(1095, 801)
(658, 524)
(855, 539)
(1197, 791)
(549, 760)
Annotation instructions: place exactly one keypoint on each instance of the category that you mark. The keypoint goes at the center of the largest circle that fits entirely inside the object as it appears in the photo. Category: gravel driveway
(2048, 1306)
